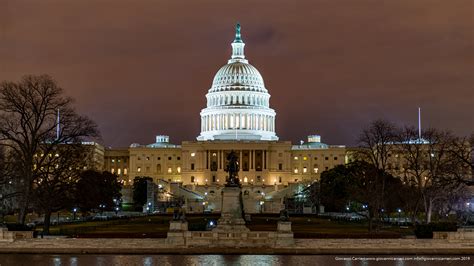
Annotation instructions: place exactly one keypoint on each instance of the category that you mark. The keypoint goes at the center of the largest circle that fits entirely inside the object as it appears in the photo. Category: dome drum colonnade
(238, 105)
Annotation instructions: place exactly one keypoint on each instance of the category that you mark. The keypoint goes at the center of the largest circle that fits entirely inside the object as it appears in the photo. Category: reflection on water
(260, 260)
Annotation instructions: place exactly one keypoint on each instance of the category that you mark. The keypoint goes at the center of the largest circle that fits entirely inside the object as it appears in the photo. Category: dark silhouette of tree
(28, 123)
(376, 143)
(356, 186)
(140, 185)
(97, 188)
(335, 187)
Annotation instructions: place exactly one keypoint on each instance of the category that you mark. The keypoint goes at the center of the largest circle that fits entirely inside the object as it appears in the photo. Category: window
(138, 158)
(139, 169)
(305, 169)
(296, 170)
(214, 178)
(159, 158)
(326, 158)
(296, 158)
(119, 171)
(147, 158)
(125, 171)
(335, 158)
(170, 170)
(193, 154)
(280, 166)
(192, 166)
(158, 168)
(327, 168)
(178, 158)
(112, 171)
(316, 169)
(113, 160)
(246, 180)
(192, 179)
(258, 179)
(178, 169)
(279, 179)
(305, 158)
(169, 158)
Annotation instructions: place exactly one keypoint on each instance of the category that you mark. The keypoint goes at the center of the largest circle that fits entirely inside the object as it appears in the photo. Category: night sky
(141, 68)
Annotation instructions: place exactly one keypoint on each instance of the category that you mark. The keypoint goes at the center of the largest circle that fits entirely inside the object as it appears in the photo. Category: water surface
(260, 260)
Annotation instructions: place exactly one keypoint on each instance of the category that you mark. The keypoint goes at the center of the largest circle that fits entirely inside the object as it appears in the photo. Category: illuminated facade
(237, 118)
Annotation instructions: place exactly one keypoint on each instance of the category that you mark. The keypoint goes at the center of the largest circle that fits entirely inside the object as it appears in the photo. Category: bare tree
(54, 188)
(428, 165)
(376, 143)
(462, 149)
(28, 126)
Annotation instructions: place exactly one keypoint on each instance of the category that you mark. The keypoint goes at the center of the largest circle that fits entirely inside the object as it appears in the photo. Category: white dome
(238, 104)
(238, 76)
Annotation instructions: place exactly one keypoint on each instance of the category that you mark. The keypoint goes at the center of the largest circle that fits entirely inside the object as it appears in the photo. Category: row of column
(238, 121)
(221, 160)
(236, 99)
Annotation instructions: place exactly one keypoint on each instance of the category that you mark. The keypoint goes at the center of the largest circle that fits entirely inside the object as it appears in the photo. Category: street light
(399, 213)
(74, 213)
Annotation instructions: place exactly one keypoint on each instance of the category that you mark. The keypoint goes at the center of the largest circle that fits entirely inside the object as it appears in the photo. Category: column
(241, 164)
(222, 159)
(221, 120)
(211, 122)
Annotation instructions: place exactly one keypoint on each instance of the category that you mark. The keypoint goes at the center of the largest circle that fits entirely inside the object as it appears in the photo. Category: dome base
(237, 135)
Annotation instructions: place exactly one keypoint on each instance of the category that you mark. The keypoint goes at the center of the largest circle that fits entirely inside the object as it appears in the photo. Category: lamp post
(74, 214)
(399, 213)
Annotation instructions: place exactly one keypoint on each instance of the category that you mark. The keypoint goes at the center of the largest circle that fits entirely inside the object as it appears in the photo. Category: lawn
(157, 226)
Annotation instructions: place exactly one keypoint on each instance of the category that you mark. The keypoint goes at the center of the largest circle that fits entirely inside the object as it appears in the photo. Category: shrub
(426, 230)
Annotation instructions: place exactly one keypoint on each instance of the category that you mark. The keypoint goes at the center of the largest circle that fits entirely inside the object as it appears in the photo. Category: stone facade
(269, 170)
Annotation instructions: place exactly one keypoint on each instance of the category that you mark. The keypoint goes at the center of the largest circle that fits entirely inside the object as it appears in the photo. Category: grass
(157, 227)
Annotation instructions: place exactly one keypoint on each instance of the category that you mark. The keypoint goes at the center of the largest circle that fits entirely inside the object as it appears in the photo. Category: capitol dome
(238, 104)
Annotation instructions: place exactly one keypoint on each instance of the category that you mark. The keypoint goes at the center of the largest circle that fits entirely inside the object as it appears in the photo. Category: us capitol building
(238, 117)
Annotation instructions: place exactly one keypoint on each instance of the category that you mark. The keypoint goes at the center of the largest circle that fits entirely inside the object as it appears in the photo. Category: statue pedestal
(284, 226)
(177, 233)
(231, 212)
(284, 234)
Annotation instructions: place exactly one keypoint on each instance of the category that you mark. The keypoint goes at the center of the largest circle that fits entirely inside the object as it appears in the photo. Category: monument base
(284, 236)
(177, 233)
(231, 220)
(230, 230)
